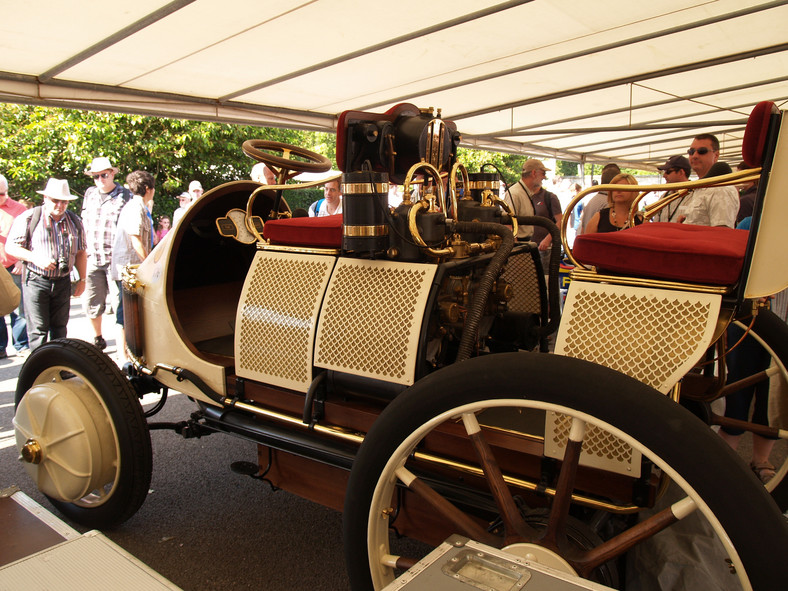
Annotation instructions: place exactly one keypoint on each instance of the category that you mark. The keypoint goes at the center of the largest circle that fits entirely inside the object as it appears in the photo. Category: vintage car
(393, 362)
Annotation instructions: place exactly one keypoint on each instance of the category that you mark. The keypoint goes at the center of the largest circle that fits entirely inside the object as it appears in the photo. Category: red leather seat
(662, 250)
(317, 232)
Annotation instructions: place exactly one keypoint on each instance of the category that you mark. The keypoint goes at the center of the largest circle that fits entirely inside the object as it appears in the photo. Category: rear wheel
(714, 484)
(82, 434)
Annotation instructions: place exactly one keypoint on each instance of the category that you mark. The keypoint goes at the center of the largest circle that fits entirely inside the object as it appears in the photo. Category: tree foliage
(40, 142)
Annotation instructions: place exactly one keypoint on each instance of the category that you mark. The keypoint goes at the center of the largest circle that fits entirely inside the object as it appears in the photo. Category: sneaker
(23, 352)
(3, 354)
(100, 342)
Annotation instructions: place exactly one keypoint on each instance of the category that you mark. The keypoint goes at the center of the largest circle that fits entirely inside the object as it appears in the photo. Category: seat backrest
(768, 269)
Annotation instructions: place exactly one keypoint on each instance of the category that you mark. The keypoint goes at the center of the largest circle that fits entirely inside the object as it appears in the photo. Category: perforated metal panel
(371, 318)
(277, 317)
(520, 271)
(600, 449)
(655, 336)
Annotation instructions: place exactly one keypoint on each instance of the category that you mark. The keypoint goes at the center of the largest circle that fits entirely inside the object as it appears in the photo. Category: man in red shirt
(9, 209)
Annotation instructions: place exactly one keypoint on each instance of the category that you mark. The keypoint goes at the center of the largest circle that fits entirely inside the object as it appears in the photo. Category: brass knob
(31, 452)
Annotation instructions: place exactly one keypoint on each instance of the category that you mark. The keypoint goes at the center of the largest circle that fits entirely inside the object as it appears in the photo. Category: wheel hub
(64, 439)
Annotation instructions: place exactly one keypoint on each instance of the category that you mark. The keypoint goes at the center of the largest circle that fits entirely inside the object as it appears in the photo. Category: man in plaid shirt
(100, 210)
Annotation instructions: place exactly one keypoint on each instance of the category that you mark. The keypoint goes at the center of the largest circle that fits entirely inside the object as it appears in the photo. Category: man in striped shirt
(100, 210)
(51, 241)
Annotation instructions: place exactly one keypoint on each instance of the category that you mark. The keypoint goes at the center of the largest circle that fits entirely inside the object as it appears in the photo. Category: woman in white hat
(50, 240)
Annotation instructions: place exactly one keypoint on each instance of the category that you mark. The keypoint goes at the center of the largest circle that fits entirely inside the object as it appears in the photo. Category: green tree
(41, 142)
(566, 168)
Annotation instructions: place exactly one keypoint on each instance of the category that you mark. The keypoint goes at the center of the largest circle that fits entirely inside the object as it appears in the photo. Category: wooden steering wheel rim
(315, 163)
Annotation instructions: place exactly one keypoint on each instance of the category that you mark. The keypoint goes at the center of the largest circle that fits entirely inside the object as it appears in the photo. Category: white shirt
(710, 206)
(322, 211)
(518, 198)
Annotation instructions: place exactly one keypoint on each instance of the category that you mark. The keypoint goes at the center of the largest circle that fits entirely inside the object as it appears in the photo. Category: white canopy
(590, 80)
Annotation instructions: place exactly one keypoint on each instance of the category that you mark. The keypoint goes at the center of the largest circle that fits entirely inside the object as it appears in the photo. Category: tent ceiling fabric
(617, 80)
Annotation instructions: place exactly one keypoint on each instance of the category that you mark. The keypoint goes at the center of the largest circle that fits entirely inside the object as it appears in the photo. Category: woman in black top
(615, 216)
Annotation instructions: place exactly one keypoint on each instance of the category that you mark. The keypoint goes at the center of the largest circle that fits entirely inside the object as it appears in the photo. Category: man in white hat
(184, 203)
(262, 174)
(100, 210)
(50, 240)
(195, 190)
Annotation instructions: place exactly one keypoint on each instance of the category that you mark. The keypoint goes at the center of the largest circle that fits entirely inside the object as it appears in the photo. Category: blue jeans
(17, 322)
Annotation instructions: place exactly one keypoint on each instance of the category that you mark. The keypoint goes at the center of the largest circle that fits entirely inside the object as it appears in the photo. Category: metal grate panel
(654, 336)
(520, 271)
(600, 449)
(371, 318)
(277, 317)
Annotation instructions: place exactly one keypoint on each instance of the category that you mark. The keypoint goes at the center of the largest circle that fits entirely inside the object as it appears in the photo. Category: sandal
(763, 470)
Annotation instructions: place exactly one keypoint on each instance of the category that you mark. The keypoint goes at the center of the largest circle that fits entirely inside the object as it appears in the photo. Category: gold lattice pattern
(596, 443)
(369, 319)
(277, 324)
(647, 338)
(520, 271)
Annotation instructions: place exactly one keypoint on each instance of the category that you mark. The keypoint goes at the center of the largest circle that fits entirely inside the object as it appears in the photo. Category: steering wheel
(285, 167)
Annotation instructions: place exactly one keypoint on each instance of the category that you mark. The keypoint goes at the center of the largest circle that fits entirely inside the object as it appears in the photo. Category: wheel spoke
(510, 512)
(621, 543)
(466, 525)
(555, 534)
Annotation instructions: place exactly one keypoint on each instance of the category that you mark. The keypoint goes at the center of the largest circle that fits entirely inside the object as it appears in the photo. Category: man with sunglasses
(709, 206)
(100, 210)
(677, 169)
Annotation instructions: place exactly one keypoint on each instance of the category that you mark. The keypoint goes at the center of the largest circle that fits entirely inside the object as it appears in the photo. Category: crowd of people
(53, 254)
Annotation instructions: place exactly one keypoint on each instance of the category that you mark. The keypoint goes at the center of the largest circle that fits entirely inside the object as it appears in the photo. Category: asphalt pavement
(203, 526)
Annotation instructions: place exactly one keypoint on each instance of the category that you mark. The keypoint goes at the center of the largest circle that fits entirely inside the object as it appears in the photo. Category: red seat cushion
(673, 252)
(323, 232)
(754, 142)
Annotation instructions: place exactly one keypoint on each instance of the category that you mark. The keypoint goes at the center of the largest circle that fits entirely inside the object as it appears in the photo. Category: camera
(62, 265)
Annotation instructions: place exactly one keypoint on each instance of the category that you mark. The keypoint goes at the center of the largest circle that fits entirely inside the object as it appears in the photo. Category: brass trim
(298, 249)
(479, 185)
(362, 188)
(364, 231)
(31, 452)
(532, 486)
(584, 274)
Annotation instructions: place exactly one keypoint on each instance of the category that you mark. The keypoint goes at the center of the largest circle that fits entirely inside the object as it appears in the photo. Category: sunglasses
(102, 175)
(672, 170)
(701, 151)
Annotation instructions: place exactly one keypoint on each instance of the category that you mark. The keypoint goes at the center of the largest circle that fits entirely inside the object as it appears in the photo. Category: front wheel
(473, 412)
(82, 434)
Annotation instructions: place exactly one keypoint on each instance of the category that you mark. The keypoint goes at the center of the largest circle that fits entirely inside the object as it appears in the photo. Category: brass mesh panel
(654, 336)
(371, 318)
(278, 316)
(520, 271)
(647, 338)
(597, 443)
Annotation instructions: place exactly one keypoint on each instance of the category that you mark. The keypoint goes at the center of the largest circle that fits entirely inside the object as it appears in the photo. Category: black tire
(122, 473)
(729, 495)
